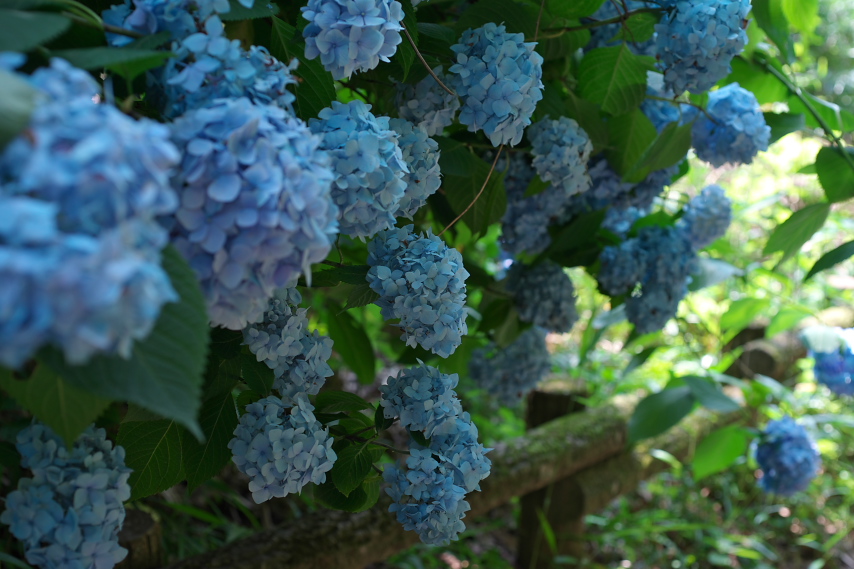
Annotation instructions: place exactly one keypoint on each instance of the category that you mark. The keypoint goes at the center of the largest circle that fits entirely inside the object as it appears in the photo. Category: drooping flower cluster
(543, 294)
(68, 515)
(509, 373)
(421, 155)
(421, 282)
(833, 351)
(426, 104)
(178, 17)
(707, 216)
(660, 260)
(368, 165)
(256, 209)
(561, 150)
(429, 494)
(524, 227)
(733, 131)
(697, 40)
(351, 35)
(787, 456)
(281, 446)
(499, 77)
(282, 340)
(604, 36)
(81, 189)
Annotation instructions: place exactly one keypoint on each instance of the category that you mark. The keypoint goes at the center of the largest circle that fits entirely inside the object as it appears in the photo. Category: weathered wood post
(142, 536)
(560, 504)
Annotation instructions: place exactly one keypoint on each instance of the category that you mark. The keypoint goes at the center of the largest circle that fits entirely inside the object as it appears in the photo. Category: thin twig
(539, 17)
(600, 23)
(483, 187)
(331, 263)
(677, 102)
(388, 446)
(103, 27)
(424, 62)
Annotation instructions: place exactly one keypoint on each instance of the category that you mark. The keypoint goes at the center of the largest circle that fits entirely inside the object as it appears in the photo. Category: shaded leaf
(742, 312)
(784, 123)
(351, 467)
(516, 17)
(339, 401)
(353, 344)
(361, 295)
(203, 460)
(315, 89)
(631, 135)
(786, 319)
(709, 395)
(153, 451)
(660, 411)
(464, 175)
(835, 174)
(831, 258)
(22, 31)
(127, 62)
(257, 375)
(790, 235)
(719, 450)
(16, 106)
(614, 77)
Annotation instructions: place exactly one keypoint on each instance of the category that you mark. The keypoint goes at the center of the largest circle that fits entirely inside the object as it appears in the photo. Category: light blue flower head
(707, 216)
(421, 155)
(423, 399)
(499, 77)
(509, 373)
(787, 456)
(606, 36)
(180, 18)
(351, 35)
(543, 295)
(733, 131)
(368, 164)
(421, 282)
(833, 351)
(561, 150)
(256, 207)
(426, 104)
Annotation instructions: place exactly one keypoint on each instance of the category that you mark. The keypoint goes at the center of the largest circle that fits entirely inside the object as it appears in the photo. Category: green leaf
(361, 295)
(670, 147)
(380, 419)
(126, 62)
(419, 438)
(638, 28)
(316, 89)
(802, 14)
(742, 312)
(225, 344)
(588, 117)
(203, 460)
(614, 77)
(331, 497)
(658, 412)
(719, 450)
(153, 451)
(537, 186)
(371, 487)
(23, 31)
(786, 319)
(831, 259)
(164, 372)
(631, 135)
(257, 375)
(835, 174)
(16, 106)
(711, 272)
(61, 406)
(239, 12)
(836, 118)
(707, 393)
(516, 17)
(573, 10)
(638, 360)
(350, 274)
(351, 467)
(790, 236)
(339, 401)
(354, 345)
(405, 54)
(784, 123)
(247, 397)
(771, 18)
(152, 41)
(766, 87)
(13, 561)
(464, 175)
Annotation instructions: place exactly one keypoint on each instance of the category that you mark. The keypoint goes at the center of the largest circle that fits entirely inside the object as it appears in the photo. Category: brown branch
(483, 187)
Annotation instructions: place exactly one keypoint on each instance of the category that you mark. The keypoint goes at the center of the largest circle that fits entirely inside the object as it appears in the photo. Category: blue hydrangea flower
(620, 221)
(421, 282)
(660, 113)
(707, 216)
(787, 456)
(69, 513)
(621, 267)
(561, 150)
(426, 104)
(605, 36)
(524, 227)
(178, 17)
(696, 41)
(282, 340)
(833, 351)
(543, 294)
(281, 447)
(368, 164)
(351, 35)
(421, 155)
(423, 399)
(509, 373)
(499, 77)
(733, 131)
(256, 208)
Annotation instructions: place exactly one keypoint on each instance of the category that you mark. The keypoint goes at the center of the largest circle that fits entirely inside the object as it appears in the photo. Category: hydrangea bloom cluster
(421, 154)
(697, 40)
(68, 515)
(178, 17)
(281, 446)
(605, 36)
(282, 340)
(351, 35)
(499, 77)
(660, 113)
(429, 494)
(421, 281)
(561, 150)
(787, 456)
(510, 373)
(834, 360)
(427, 105)
(368, 164)
(733, 131)
(621, 267)
(82, 187)
(620, 221)
(707, 216)
(524, 227)
(543, 295)
(256, 208)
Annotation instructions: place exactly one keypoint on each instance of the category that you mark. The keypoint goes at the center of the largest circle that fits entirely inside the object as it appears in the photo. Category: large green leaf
(835, 173)
(719, 450)
(153, 451)
(670, 147)
(339, 401)
(350, 274)
(575, 9)
(587, 115)
(833, 115)
(784, 123)
(22, 31)
(361, 295)
(515, 17)
(16, 106)
(742, 312)
(257, 375)
(631, 135)
(709, 395)
(316, 89)
(164, 372)
(331, 497)
(638, 27)
(831, 258)
(771, 18)
(351, 467)
(61, 406)
(786, 319)
(658, 412)
(405, 55)
(802, 14)
(353, 344)
(790, 235)
(766, 87)
(614, 77)
(202, 460)
(127, 62)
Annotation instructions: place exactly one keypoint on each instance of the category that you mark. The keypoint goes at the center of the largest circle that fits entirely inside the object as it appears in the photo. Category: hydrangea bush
(787, 456)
